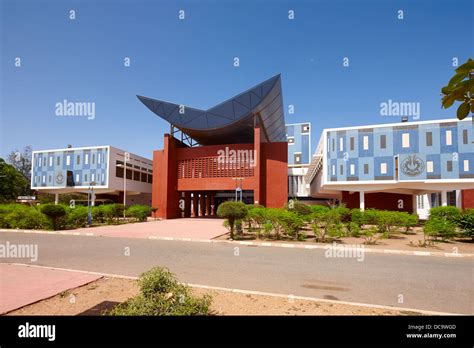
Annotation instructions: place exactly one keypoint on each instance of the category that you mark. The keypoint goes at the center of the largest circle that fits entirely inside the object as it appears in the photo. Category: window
(383, 168)
(352, 169)
(366, 168)
(366, 142)
(352, 143)
(50, 161)
(98, 158)
(406, 140)
(86, 158)
(44, 161)
(85, 177)
(429, 166)
(297, 158)
(341, 169)
(466, 165)
(143, 177)
(49, 178)
(150, 178)
(78, 159)
(464, 137)
(305, 128)
(92, 177)
(93, 158)
(78, 178)
(34, 179)
(291, 140)
(341, 144)
(334, 145)
(328, 144)
(449, 137)
(44, 179)
(333, 169)
(68, 160)
(136, 176)
(98, 178)
(58, 161)
(383, 141)
(429, 139)
(449, 166)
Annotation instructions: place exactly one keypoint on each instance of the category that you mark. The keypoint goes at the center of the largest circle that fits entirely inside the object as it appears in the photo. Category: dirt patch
(94, 298)
(399, 241)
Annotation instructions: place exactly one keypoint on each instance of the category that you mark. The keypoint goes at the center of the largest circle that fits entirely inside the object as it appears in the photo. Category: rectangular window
(68, 160)
(34, 179)
(449, 137)
(449, 166)
(429, 166)
(92, 177)
(49, 178)
(366, 168)
(58, 160)
(78, 178)
(464, 137)
(93, 158)
(406, 140)
(341, 144)
(366, 142)
(44, 179)
(98, 158)
(136, 176)
(85, 178)
(51, 161)
(466, 165)
(86, 158)
(78, 159)
(429, 139)
(341, 169)
(383, 168)
(143, 177)
(334, 145)
(352, 169)
(352, 143)
(44, 161)
(333, 169)
(383, 141)
(150, 178)
(328, 145)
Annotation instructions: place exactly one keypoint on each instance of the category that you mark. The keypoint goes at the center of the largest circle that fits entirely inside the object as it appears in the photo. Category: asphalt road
(430, 283)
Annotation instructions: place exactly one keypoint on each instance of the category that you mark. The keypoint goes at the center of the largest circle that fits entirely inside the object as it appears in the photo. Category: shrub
(466, 223)
(372, 235)
(299, 208)
(138, 212)
(256, 217)
(232, 211)
(319, 208)
(357, 217)
(408, 221)
(162, 295)
(77, 217)
(449, 213)
(326, 223)
(23, 217)
(353, 229)
(55, 213)
(437, 227)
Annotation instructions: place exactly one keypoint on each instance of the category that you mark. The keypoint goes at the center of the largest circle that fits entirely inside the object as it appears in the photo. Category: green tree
(232, 211)
(12, 183)
(460, 88)
(21, 160)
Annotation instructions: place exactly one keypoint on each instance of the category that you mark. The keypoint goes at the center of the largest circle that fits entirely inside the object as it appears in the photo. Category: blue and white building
(298, 136)
(414, 158)
(77, 170)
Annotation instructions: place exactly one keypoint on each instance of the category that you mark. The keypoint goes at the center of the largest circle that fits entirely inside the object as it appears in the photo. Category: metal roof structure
(231, 121)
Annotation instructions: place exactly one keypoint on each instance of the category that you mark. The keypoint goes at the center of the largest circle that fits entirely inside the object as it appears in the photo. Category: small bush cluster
(59, 217)
(445, 223)
(162, 295)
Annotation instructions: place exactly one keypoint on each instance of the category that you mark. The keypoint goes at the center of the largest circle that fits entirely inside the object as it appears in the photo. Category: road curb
(264, 244)
(290, 297)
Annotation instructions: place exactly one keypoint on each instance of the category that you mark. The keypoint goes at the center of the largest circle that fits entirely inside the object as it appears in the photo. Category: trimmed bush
(77, 217)
(466, 223)
(22, 217)
(299, 208)
(449, 213)
(232, 211)
(440, 228)
(326, 223)
(55, 214)
(138, 212)
(161, 295)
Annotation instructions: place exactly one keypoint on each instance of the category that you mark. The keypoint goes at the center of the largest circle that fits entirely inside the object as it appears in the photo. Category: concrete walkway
(22, 285)
(193, 228)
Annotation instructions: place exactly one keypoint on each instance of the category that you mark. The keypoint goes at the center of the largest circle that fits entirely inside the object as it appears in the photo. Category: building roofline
(384, 125)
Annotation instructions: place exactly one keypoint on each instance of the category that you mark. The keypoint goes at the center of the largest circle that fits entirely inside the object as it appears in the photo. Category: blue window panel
(445, 158)
(355, 162)
(388, 133)
(378, 161)
(355, 152)
(290, 130)
(362, 162)
(341, 163)
(423, 130)
(305, 149)
(436, 159)
(397, 141)
(454, 138)
(370, 151)
(462, 158)
(469, 147)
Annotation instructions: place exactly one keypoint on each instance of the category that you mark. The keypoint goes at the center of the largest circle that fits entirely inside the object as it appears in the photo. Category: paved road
(430, 283)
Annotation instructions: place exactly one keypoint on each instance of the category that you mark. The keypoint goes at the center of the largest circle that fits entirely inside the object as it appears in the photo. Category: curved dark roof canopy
(231, 121)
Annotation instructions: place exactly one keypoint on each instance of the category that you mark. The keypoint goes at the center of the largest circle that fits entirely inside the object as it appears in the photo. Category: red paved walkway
(22, 285)
(174, 228)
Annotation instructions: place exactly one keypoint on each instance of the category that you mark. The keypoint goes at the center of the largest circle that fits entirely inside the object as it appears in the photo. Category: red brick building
(235, 149)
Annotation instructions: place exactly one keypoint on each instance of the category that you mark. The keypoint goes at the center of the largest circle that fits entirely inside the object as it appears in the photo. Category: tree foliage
(460, 88)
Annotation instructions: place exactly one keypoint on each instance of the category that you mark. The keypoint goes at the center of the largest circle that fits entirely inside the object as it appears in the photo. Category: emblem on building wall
(59, 178)
(413, 166)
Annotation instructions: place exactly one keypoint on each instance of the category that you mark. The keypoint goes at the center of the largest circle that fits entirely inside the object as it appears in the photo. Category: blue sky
(190, 61)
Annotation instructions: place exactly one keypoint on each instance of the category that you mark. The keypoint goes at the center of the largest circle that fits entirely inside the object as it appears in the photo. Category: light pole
(90, 196)
(126, 158)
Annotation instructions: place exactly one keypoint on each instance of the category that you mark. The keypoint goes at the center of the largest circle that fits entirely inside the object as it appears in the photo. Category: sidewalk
(23, 285)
